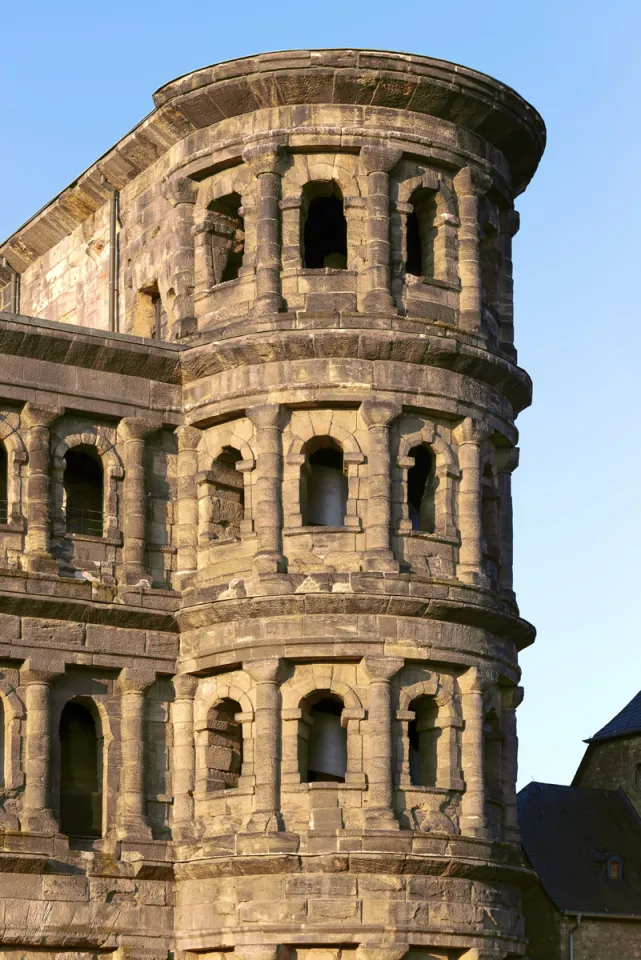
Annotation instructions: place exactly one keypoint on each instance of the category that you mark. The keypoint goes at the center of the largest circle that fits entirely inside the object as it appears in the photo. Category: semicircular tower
(348, 672)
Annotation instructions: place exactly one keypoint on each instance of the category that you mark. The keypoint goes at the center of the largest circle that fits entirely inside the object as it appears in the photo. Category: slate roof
(625, 724)
(568, 833)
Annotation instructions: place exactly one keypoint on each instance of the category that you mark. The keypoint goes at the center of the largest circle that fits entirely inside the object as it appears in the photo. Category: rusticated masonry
(259, 675)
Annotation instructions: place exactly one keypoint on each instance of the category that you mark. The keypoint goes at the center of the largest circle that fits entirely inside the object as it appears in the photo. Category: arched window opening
(421, 487)
(492, 753)
(227, 237)
(490, 521)
(421, 234)
(228, 495)
(326, 759)
(224, 745)
(424, 734)
(323, 484)
(490, 256)
(80, 773)
(324, 227)
(83, 485)
(4, 484)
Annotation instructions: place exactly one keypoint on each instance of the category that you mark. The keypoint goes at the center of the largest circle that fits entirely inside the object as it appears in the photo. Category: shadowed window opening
(327, 745)
(224, 745)
(421, 234)
(228, 495)
(492, 757)
(421, 486)
(83, 485)
(80, 775)
(4, 484)
(614, 868)
(323, 484)
(324, 226)
(228, 237)
(423, 742)
(414, 264)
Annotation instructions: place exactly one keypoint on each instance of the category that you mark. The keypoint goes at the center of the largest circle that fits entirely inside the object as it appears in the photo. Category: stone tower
(258, 389)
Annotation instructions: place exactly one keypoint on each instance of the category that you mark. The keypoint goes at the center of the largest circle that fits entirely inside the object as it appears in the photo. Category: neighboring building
(259, 674)
(584, 842)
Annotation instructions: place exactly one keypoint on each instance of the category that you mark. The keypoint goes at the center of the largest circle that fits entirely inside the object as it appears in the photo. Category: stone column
(37, 815)
(512, 697)
(378, 415)
(470, 435)
(448, 772)
(509, 224)
(181, 192)
(38, 422)
(507, 460)
(134, 432)
(379, 812)
(470, 185)
(377, 163)
(132, 818)
(268, 675)
(187, 503)
(265, 161)
(473, 819)
(184, 757)
(268, 508)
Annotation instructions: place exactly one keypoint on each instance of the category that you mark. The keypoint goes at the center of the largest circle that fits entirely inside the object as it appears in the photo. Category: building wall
(613, 764)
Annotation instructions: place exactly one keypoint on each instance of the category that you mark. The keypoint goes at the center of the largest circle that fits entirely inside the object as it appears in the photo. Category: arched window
(424, 734)
(80, 773)
(227, 237)
(83, 483)
(224, 745)
(227, 495)
(323, 493)
(492, 757)
(421, 486)
(4, 484)
(490, 522)
(324, 227)
(326, 758)
(421, 233)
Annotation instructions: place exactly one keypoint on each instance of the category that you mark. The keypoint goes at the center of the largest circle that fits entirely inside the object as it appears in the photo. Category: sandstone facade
(259, 667)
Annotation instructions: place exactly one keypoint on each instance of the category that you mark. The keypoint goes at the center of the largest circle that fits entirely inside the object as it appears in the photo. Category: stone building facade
(259, 638)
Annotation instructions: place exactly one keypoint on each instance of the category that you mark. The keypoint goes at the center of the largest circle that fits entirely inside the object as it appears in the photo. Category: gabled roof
(568, 834)
(625, 724)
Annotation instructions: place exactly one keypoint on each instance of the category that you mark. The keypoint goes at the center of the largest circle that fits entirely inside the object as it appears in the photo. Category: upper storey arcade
(375, 189)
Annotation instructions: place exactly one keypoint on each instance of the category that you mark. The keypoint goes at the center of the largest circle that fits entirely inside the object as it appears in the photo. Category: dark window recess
(227, 496)
(160, 315)
(83, 483)
(492, 757)
(228, 237)
(324, 226)
(421, 234)
(327, 747)
(421, 485)
(80, 775)
(414, 264)
(423, 735)
(324, 485)
(224, 746)
(4, 484)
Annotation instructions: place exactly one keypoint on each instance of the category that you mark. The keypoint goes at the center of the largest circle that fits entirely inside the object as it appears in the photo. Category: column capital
(180, 190)
(472, 431)
(264, 157)
(135, 680)
(507, 459)
(256, 951)
(380, 413)
(381, 951)
(477, 680)
(185, 686)
(510, 221)
(40, 415)
(472, 182)
(137, 428)
(265, 671)
(270, 415)
(188, 437)
(35, 670)
(379, 159)
(512, 697)
(383, 668)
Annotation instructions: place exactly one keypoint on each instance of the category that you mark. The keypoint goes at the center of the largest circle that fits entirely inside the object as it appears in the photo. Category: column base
(473, 576)
(133, 830)
(39, 821)
(264, 822)
(381, 560)
(41, 563)
(185, 327)
(378, 301)
(269, 563)
(380, 818)
(271, 303)
(132, 577)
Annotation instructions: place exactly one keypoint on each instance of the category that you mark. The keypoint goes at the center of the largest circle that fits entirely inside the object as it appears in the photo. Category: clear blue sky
(76, 76)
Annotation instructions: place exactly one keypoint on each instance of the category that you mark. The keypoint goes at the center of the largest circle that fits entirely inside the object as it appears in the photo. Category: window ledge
(12, 527)
(85, 537)
(318, 528)
(229, 792)
(440, 791)
(322, 785)
(413, 281)
(326, 272)
(432, 537)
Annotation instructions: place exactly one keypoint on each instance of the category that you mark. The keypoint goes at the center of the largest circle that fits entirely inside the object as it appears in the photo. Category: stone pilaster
(133, 432)
(379, 415)
(508, 226)
(184, 757)
(182, 193)
(37, 815)
(268, 420)
(377, 163)
(379, 813)
(470, 185)
(38, 420)
(268, 675)
(265, 161)
(132, 819)
(187, 505)
(473, 817)
(507, 460)
(470, 435)
(512, 697)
